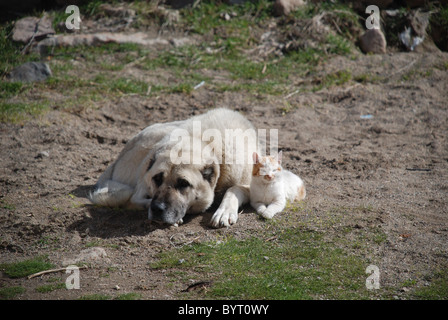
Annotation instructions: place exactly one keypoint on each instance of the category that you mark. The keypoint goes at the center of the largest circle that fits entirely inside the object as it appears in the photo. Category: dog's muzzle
(158, 212)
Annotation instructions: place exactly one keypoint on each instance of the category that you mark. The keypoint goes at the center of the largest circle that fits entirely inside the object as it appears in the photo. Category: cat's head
(267, 167)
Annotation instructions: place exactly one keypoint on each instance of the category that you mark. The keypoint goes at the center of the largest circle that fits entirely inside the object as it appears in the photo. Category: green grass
(16, 112)
(95, 296)
(50, 287)
(300, 254)
(27, 267)
(8, 293)
(124, 296)
(300, 264)
(437, 289)
(337, 78)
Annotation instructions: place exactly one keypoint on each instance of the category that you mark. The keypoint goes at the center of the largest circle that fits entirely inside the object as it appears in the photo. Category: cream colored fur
(129, 181)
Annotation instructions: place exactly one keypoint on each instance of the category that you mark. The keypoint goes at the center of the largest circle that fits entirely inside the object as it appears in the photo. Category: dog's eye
(182, 184)
(158, 179)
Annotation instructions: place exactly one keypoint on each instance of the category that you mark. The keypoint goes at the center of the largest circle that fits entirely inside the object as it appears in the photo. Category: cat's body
(271, 186)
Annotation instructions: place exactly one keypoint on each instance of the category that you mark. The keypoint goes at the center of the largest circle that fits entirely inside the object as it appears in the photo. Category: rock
(30, 72)
(107, 37)
(43, 154)
(284, 7)
(87, 255)
(373, 41)
(25, 28)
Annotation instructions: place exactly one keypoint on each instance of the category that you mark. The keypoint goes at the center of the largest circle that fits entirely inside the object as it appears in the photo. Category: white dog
(176, 168)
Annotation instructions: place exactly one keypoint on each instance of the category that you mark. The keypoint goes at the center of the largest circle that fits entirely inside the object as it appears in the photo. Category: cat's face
(267, 168)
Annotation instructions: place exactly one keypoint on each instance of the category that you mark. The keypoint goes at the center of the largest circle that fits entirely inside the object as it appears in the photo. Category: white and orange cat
(272, 186)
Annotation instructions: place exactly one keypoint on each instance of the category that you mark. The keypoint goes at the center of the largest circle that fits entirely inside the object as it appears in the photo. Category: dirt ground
(394, 162)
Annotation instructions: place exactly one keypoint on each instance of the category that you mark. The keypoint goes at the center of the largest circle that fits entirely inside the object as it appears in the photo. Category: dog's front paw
(224, 217)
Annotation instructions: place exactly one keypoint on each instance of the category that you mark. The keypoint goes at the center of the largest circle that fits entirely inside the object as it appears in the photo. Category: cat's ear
(279, 157)
(255, 157)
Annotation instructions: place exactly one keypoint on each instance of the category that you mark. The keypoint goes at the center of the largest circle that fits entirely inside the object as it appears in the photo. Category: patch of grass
(19, 111)
(8, 293)
(209, 15)
(96, 53)
(129, 296)
(333, 79)
(10, 89)
(95, 296)
(50, 287)
(367, 78)
(300, 264)
(27, 267)
(124, 296)
(416, 74)
(438, 288)
(128, 86)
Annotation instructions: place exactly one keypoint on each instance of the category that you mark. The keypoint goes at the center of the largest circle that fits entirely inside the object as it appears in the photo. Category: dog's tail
(111, 194)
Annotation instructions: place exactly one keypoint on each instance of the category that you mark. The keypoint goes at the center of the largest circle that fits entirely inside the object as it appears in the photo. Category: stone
(25, 28)
(43, 154)
(373, 41)
(108, 37)
(30, 72)
(284, 7)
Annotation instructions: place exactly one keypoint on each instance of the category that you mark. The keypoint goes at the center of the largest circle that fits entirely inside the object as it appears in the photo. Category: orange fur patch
(256, 169)
(301, 194)
(261, 163)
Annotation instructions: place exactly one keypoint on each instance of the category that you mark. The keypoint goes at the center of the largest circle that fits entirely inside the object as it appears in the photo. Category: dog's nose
(157, 208)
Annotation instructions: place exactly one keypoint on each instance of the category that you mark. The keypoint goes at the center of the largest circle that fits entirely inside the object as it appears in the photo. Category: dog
(178, 168)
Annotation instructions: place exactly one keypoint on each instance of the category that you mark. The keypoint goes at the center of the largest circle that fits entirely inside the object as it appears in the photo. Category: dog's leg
(140, 198)
(227, 213)
(111, 193)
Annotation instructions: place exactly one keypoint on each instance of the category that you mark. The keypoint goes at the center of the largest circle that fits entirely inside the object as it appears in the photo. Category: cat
(271, 186)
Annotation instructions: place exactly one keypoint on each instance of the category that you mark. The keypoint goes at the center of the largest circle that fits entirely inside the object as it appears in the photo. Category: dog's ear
(210, 173)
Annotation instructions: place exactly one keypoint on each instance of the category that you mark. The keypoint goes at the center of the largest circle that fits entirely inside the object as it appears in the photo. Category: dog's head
(176, 189)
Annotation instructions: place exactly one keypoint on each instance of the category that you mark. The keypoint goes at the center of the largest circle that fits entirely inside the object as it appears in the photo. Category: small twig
(36, 28)
(418, 169)
(291, 94)
(51, 271)
(403, 68)
(270, 239)
(181, 244)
